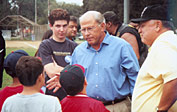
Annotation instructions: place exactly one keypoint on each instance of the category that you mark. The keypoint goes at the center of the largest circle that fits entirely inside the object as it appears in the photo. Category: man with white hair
(110, 63)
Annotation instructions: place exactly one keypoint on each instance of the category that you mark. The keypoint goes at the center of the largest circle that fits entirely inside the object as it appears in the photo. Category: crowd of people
(110, 71)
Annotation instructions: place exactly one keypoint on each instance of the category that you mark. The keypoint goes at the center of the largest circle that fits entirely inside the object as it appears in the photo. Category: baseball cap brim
(138, 20)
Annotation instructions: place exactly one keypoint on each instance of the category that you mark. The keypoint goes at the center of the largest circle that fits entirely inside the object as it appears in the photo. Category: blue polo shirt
(110, 71)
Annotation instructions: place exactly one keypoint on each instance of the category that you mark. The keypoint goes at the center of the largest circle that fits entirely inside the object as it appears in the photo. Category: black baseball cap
(156, 12)
(11, 61)
(72, 79)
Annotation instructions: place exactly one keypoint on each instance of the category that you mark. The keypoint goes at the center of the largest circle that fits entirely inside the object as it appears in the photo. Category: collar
(117, 29)
(79, 95)
(161, 36)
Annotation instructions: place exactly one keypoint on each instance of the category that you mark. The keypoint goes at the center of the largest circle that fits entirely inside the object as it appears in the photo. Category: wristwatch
(157, 110)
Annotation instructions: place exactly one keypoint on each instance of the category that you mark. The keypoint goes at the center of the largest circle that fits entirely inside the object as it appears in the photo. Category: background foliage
(26, 8)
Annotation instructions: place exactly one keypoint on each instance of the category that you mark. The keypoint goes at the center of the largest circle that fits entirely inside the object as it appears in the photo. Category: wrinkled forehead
(86, 18)
(89, 21)
(148, 22)
(72, 23)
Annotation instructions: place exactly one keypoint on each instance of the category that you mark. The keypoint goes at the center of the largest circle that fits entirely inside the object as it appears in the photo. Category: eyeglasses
(89, 29)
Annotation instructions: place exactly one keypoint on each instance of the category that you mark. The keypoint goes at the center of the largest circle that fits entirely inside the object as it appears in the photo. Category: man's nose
(75, 28)
(61, 28)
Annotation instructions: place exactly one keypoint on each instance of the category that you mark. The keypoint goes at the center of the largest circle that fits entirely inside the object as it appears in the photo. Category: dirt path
(24, 44)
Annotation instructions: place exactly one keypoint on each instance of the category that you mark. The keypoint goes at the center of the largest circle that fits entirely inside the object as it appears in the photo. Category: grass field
(7, 80)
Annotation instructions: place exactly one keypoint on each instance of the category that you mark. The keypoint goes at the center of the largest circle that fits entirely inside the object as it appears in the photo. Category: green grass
(7, 80)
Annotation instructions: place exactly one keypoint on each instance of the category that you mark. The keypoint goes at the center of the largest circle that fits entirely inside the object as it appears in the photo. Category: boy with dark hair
(55, 51)
(30, 71)
(58, 14)
(9, 66)
(73, 81)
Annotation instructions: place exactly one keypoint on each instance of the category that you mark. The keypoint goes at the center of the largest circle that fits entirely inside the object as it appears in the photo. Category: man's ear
(158, 25)
(85, 82)
(41, 77)
(109, 24)
(103, 26)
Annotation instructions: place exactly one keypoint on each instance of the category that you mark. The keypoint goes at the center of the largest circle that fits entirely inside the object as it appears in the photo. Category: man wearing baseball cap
(156, 85)
(72, 79)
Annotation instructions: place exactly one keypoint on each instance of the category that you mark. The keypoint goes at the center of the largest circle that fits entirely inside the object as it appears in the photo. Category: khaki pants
(123, 106)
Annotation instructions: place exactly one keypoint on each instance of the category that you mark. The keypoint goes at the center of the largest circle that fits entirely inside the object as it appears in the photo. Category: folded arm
(169, 95)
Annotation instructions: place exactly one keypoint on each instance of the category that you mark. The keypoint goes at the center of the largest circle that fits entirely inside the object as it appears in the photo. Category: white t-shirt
(31, 103)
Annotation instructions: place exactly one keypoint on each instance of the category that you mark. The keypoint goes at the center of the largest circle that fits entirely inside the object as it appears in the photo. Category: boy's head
(72, 79)
(28, 70)
(58, 14)
(11, 61)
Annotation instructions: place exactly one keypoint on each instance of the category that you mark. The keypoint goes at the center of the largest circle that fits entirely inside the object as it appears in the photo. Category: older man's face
(148, 32)
(92, 31)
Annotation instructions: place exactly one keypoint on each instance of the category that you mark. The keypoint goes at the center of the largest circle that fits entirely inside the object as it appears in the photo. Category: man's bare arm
(131, 39)
(52, 69)
(169, 95)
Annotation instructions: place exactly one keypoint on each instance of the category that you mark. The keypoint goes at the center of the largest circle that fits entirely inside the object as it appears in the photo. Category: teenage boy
(30, 73)
(74, 82)
(56, 51)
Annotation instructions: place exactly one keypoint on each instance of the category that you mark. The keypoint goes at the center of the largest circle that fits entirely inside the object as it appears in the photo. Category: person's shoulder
(4, 89)
(82, 46)
(45, 42)
(8, 89)
(48, 97)
(71, 42)
(117, 40)
(12, 98)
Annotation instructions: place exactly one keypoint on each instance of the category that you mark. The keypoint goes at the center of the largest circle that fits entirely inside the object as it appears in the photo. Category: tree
(4, 8)
(136, 6)
(26, 8)
(73, 9)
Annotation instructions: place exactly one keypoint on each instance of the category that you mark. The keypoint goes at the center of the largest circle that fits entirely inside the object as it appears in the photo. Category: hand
(54, 83)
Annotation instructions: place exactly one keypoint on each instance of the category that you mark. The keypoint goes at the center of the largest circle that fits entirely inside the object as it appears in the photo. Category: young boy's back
(29, 71)
(73, 81)
(31, 103)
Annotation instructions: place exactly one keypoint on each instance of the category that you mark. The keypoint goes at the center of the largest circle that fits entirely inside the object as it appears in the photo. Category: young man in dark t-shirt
(56, 51)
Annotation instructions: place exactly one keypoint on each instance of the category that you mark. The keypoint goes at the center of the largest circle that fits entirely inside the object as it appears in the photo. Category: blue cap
(11, 61)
